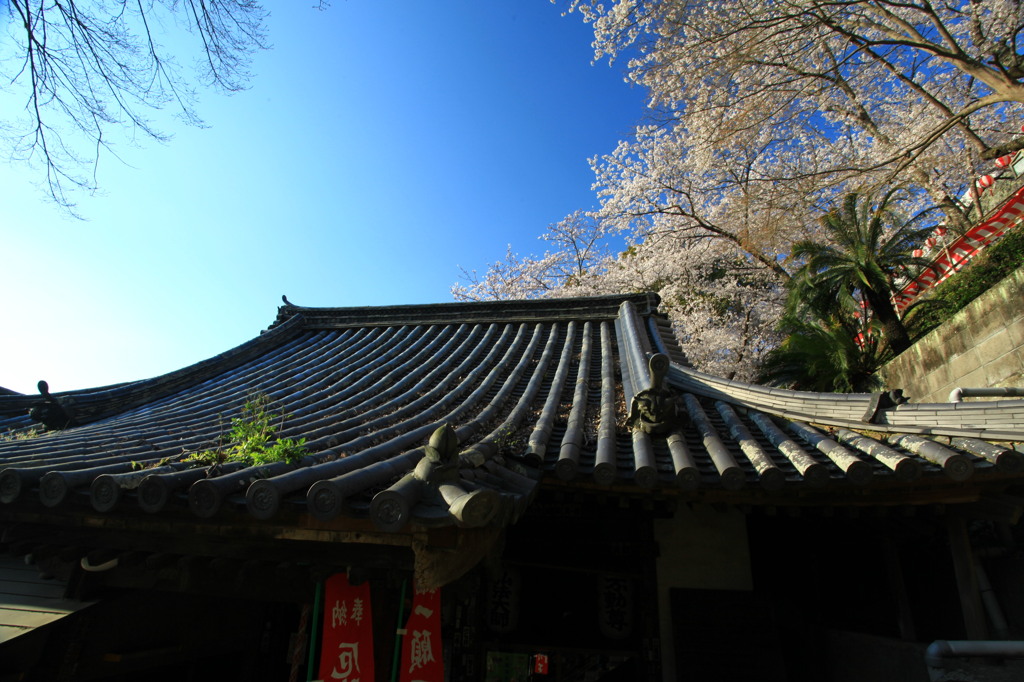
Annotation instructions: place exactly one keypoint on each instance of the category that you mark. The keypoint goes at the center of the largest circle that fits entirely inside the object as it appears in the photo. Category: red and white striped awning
(955, 255)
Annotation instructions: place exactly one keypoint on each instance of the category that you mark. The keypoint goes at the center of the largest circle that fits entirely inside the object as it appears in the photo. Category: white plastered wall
(699, 548)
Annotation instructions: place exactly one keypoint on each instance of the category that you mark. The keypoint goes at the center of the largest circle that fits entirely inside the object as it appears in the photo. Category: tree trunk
(892, 327)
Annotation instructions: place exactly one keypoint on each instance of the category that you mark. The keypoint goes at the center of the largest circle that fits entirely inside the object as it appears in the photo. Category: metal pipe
(941, 650)
(958, 394)
(97, 568)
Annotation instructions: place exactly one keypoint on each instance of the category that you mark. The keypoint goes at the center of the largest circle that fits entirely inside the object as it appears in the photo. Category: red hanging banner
(347, 643)
(421, 645)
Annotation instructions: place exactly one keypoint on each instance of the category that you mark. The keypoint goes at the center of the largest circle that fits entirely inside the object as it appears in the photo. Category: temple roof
(458, 413)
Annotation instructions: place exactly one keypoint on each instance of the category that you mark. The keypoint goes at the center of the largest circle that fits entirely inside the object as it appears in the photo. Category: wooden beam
(898, 587)
(966, 577)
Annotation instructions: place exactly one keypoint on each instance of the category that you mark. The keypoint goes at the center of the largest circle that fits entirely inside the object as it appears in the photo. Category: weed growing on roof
(252, 439)
(21, 434)
(139, 466)
(510, 441)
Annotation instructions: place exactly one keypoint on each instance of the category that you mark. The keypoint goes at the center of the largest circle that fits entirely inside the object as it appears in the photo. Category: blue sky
(380, 146)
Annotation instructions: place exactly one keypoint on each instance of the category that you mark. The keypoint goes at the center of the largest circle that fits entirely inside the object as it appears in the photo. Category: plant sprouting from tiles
(251, 439)
(139, 466)
(21, 434)
(509, 441)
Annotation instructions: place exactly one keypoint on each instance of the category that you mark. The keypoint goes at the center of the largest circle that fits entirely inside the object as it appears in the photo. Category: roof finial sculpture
(654, 410)
(884, 400)
(51, 412)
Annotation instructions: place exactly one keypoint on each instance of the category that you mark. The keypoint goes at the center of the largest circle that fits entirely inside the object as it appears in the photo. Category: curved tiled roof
(559, 392)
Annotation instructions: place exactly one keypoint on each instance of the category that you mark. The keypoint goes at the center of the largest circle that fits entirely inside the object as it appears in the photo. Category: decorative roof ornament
(654, 410)
(52, 413)
(882, 400)
(434, 481)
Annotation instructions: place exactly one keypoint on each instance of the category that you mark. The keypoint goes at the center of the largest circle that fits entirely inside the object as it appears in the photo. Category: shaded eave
(29, 601)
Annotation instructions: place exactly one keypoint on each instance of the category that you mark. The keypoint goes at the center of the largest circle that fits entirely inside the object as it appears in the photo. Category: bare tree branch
(88, 68)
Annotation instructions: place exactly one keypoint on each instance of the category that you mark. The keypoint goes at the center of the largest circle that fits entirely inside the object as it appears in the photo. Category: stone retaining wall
(982, 346)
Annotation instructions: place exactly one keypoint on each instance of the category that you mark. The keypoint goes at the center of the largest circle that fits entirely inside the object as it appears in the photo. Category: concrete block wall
(982, 346)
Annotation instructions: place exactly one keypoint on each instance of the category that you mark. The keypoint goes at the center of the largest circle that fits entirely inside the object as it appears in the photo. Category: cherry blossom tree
(763, 115)
(577, 251)
(512, 277)
(761, 106)
(724, 306)
(85, 69)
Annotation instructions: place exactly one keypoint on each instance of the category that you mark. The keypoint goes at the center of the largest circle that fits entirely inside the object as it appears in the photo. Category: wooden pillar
(894, 572)
(966, 577)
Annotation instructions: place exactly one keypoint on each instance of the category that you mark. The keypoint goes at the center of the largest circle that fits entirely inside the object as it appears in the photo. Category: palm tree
(869, 244)
(826, 352)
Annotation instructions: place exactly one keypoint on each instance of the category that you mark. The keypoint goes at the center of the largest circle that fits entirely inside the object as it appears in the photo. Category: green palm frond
(840, 320)
(826, 357)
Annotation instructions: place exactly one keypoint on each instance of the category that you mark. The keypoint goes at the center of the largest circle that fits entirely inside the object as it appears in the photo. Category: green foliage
(838, 354)
(251, 439)
(869, 244)
(985, 271)
(840, 323)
